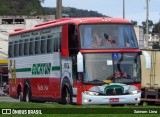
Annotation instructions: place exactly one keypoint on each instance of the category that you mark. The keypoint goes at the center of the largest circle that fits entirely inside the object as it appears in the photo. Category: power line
(123, 9)
(147, 14)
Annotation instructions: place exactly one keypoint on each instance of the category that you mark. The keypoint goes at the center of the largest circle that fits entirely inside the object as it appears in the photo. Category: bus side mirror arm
(79, 62)
(140, 53)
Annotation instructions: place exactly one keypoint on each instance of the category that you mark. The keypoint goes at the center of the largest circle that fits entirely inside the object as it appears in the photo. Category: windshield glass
(101, 36)
(117, 67)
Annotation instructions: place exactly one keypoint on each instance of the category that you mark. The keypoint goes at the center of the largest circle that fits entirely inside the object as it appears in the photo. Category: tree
(156, 28)
(42, 1)
(156, 45)
(21, 7)
(74, 12)
(134, 22)
(150, 25)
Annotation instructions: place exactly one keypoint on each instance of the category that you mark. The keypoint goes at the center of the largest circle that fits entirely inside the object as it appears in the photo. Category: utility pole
(123, 9)
(147, 14)
(59, 9)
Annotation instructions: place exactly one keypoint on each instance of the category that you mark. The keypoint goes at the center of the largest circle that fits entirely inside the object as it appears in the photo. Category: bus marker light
(87, 100)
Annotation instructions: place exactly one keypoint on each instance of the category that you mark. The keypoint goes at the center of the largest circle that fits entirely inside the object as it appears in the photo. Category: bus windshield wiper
(125, 77)
(110, 77)
(129, 77)
(96, 80)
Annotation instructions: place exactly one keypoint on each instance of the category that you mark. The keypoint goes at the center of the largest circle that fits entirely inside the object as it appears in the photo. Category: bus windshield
(117, 67)
(101, 36)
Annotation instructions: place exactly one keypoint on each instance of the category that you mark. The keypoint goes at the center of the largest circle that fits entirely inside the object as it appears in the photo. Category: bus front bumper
(117, 99)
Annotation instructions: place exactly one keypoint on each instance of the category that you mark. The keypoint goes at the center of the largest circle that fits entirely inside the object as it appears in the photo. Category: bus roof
(71, 20)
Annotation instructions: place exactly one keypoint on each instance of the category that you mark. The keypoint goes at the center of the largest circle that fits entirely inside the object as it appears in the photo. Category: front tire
(66, 96)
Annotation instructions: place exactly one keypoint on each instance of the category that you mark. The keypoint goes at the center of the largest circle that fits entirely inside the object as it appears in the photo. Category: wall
(151, 75)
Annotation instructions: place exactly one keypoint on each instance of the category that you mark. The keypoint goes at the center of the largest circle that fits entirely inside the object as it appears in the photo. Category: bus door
(69, 52)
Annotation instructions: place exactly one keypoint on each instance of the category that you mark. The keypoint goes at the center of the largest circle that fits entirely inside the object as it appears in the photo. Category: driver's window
(72, 40)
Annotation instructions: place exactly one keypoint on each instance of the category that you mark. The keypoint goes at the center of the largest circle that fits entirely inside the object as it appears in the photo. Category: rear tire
(20, 95)
(27, 95)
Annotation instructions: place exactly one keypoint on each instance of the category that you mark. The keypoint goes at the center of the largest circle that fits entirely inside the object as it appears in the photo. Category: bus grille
(114, 91)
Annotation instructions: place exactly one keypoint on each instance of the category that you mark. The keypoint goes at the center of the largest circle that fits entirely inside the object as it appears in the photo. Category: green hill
(74, 12)
(21, 7)
(33, 7)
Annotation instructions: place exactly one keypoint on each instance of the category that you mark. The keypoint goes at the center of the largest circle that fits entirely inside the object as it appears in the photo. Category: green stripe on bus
(55, 68)
(23, 70)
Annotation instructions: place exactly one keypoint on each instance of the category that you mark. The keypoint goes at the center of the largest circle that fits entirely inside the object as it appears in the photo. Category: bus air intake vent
(115, 91)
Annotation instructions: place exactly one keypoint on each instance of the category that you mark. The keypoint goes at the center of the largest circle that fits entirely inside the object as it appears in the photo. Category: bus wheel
(66, 97)
(20, 95)
(27, 95)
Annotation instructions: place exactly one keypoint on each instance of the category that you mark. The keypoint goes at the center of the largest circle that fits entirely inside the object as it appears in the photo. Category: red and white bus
(76, 60)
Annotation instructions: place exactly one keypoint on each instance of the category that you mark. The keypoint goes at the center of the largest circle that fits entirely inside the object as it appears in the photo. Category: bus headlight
(90, 93)
(135, 91)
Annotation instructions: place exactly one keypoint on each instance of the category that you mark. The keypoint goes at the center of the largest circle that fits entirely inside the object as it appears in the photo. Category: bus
(76, 61)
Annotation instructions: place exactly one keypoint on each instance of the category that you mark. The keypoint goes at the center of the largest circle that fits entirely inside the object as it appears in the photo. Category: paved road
(7, 99)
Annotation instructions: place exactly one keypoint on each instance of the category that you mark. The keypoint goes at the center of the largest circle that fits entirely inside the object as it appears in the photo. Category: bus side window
(16, 49)
(43, 44)
(26, 47)
(21, 48)
(32, 46)
(50, 43)
(57, 42)
(37, 45)
(11, 49)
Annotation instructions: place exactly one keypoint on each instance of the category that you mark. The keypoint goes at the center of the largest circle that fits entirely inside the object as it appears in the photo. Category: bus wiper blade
(129, 77)
(110, 77)
(96, 80)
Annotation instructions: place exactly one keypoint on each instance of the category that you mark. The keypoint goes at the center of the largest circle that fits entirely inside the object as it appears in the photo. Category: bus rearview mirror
(79, 62)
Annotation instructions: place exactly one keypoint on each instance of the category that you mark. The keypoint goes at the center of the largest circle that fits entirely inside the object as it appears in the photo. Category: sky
(134, 9)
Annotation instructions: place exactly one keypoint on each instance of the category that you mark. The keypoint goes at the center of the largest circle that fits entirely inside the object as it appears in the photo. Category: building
(143, 42)
(9, 24)
(140, 36)
(153, 39)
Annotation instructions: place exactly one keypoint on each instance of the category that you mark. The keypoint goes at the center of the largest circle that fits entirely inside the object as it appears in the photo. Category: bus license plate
(114, 100)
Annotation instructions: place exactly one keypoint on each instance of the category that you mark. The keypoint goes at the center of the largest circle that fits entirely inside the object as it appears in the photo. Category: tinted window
(101, 36)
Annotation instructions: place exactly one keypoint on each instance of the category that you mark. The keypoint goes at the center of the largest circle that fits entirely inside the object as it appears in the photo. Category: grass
(93, 109)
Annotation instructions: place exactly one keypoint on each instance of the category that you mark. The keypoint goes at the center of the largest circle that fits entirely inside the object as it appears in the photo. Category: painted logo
(41, 69)
(114, 91)
(115, 55)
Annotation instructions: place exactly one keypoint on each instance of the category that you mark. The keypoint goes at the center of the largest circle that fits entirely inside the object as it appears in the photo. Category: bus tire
(66, 96)
(27, 95)
(20, 95)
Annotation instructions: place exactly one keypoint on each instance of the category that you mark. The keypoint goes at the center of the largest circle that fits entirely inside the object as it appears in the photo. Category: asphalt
(1, 92)
(6, 98)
